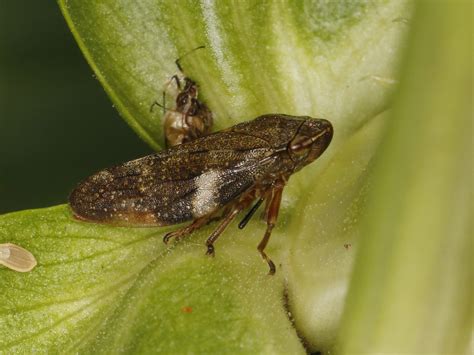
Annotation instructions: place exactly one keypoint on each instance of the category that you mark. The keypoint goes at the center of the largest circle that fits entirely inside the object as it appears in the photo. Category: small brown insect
(190, 118)
(215, 176)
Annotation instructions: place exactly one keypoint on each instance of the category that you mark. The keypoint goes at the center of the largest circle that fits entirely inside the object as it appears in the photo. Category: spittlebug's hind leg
(228, 217)
(182, 232)
(272, 209)
(220, 228)
(196, 224)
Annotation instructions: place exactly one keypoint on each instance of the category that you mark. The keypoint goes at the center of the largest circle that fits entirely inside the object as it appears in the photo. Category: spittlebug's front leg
(271, 212)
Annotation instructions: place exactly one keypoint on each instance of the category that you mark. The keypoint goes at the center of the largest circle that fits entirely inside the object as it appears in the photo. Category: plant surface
(106, 289)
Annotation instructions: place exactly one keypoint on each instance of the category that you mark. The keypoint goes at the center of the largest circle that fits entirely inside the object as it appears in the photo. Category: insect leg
(243, 203)
(272, 209)
(218, 217)
(263, 215)
(156, 103)
(165, 88)
(182, 232)
(164, 103)
(176, 79)
(178, 61)
(220, 228)
(250, 213)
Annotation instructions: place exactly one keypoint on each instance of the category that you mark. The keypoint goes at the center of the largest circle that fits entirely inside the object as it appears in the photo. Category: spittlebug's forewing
(196, 181)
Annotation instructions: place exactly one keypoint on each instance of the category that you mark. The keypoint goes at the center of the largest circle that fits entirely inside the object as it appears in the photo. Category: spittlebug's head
(310, 141)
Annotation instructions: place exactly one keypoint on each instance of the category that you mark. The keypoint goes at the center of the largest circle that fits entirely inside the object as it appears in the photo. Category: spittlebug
(190, 118)
(16, 258)
(217, 175)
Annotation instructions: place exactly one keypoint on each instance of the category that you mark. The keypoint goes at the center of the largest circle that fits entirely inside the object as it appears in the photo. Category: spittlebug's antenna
(249, 214)
(177, 61)
(16, 258)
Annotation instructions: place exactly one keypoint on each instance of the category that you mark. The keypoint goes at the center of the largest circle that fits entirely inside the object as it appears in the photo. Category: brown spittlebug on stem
(190, 118)
(214, 176)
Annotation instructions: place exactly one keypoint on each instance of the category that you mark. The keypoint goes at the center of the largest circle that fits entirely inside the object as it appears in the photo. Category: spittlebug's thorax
(310, 141)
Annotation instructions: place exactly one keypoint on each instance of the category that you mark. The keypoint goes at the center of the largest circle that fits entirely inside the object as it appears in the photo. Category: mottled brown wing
(175, 185)
(276, 129)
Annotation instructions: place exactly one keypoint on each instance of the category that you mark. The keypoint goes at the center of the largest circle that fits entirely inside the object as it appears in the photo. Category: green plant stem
(412, 286)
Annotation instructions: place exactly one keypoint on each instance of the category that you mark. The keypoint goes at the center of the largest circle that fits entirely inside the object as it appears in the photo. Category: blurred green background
(57, 125)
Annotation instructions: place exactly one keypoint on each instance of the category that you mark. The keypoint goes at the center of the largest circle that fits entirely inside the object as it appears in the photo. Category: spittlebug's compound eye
(300, 147)
(16, 258)
(311, 140)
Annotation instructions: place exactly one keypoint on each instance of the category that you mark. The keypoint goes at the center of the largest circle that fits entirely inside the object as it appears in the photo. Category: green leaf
(103, 289)
(334, 59)
(321, 255)
(412, 286)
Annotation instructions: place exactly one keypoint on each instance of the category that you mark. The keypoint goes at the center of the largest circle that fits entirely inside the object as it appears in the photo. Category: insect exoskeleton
(189, 119)
(197, 181)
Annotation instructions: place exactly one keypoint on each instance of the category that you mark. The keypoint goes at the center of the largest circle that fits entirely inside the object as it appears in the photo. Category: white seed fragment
(16, 258)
